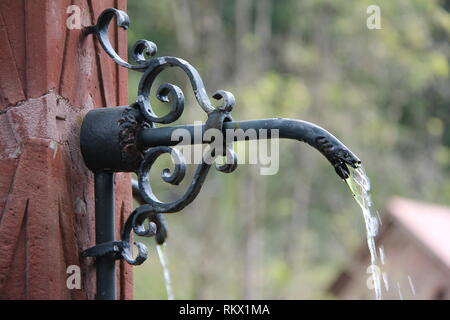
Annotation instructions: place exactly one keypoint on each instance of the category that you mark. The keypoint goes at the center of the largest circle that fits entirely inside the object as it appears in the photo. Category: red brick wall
(50, 77)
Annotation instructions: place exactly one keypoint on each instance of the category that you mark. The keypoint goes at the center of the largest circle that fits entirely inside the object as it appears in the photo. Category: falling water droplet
(413, 290)
(381, 249)
(359, 184)
(386, 281)
(166, 272)
(399, 291)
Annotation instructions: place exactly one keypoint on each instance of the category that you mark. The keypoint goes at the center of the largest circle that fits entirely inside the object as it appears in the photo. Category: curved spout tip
(345, 157)
(342, 159)
(343, 171)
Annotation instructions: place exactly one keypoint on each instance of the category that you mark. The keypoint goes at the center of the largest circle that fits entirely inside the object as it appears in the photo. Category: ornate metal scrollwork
(147, 220)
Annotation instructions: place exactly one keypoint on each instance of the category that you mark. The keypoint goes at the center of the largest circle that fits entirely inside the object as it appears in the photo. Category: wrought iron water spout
(126, 139)
(334, 150)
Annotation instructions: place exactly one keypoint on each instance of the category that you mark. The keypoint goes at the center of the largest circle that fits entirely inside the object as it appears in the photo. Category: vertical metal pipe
(105, 232)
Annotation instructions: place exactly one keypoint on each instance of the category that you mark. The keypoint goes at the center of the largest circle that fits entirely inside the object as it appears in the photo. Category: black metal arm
(336, 152)
(126, 139)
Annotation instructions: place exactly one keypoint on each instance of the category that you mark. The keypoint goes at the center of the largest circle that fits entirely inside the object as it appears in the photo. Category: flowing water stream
(165, 266)
(359, 184)
(411, 285)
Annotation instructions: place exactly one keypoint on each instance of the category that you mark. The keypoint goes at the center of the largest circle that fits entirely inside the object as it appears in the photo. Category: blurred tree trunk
(301, 198)
(184, 26)
(242, 31)
(263, 32)
(252, 206)
(215, 43)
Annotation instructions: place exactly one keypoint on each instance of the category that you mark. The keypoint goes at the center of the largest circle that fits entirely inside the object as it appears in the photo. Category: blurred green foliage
(384, 93)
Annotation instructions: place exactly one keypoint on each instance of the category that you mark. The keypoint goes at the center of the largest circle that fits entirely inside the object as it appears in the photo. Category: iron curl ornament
(127, 139)
(147, 220)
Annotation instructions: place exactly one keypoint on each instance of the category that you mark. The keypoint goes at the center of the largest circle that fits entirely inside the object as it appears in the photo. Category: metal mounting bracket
(126, 139)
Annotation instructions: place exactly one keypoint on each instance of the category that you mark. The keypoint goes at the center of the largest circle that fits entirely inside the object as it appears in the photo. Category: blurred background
(384, 93)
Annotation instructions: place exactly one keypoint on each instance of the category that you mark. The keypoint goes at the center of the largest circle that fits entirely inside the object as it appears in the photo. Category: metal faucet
(126, 139)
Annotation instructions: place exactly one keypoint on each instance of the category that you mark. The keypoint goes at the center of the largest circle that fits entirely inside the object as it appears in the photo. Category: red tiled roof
(430, 223)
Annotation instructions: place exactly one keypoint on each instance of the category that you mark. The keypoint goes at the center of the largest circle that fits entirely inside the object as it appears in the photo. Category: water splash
(386, 281)
(165, 266)
(411, 285)
(382, 258)
(400, 295)
(359, 184)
